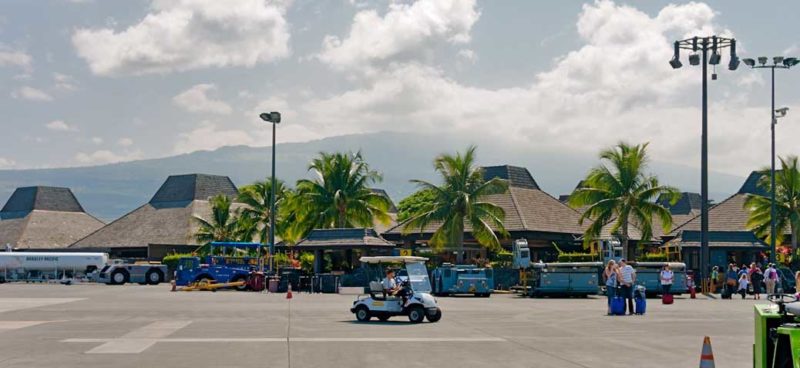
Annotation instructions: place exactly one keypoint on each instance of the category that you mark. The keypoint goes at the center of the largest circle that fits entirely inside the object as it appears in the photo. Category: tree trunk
(795, 231)
(626, 247)
(460, 247)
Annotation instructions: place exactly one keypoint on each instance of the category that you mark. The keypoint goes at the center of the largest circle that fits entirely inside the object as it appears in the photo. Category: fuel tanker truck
(48, 265)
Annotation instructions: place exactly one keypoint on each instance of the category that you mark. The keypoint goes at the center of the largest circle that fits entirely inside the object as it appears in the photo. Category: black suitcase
(725, 294)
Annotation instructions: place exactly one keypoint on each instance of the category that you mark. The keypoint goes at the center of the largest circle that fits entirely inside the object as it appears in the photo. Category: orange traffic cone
(707, 356)
(289, 292)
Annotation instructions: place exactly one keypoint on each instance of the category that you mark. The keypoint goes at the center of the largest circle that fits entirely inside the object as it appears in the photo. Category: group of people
(741, 279)
(621, 277)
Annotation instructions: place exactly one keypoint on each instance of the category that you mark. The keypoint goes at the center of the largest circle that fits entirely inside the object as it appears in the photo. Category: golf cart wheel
(362, 314)
(383, 318)
(243, 287)
(416, 314)
(435, 316)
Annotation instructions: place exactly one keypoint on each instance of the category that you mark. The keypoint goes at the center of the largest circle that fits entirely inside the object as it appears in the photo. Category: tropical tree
(256, 197)
(221, 227)
(414, 203)
(460, 201)
(619, 191)
(787, 204)
(339, 196)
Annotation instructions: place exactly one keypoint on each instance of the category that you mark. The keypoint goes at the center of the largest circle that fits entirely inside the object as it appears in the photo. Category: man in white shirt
(390, 286)
(626, 284)
(771, 277)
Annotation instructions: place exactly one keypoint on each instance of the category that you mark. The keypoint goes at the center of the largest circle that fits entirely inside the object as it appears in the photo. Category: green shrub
(653, 257)
(502, 259)
(171, 260)
(577, 257)
(307, 262)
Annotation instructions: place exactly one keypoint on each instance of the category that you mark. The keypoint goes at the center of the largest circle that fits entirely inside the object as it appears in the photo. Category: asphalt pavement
(149, 326)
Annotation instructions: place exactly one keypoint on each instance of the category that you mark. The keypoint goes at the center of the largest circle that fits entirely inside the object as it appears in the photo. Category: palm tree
(256, 197)
(787, 204)
(339, 196)
(618, 190)
(458, 201)
(221, 227)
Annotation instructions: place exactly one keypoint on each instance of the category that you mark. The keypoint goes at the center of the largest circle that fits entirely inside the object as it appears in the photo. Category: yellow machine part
(212, 286)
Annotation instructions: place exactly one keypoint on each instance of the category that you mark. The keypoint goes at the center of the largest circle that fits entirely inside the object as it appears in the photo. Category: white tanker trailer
(15, 265)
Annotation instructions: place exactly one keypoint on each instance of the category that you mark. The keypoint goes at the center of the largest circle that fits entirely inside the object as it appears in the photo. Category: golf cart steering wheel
(782, 298)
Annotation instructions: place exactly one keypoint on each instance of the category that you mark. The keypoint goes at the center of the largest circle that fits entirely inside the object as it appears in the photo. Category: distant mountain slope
(109, 191)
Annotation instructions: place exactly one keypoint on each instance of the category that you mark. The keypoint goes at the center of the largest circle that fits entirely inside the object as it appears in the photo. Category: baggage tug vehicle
(777, 333)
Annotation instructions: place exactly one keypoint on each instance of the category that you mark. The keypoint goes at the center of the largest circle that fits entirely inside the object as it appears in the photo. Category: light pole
(274, 118)
(705, 44)
(778, 62)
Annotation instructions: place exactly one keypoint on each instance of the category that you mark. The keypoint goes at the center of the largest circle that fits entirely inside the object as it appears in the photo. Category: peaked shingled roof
(527, 208)
(688, 204)
(751, 186)
(343, 239)
(168, 218)
(44, 218)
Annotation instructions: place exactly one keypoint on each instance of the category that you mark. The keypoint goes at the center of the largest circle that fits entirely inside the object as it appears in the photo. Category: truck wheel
(435, 316)
(243, 287)
(154, 276)
(416, 314)
(119, 277)
(362, 314)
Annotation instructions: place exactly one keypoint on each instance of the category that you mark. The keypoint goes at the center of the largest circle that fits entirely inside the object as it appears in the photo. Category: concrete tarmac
(148, 326)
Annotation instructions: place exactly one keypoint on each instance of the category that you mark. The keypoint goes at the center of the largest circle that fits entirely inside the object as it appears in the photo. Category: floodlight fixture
(781, 112)
(694, 59)
(676, 62)
(762, 60)
(778, 60)
(749, 62)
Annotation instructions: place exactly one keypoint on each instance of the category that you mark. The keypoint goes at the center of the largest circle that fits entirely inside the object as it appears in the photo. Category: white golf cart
(413, 277)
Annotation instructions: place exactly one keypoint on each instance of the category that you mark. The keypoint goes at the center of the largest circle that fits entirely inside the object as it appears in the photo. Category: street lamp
(778, 62)
(705, 44)
(274, 118)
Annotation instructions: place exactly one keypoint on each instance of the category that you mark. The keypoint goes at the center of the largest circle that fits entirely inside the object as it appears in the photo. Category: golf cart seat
(376, 290)
(793, 308)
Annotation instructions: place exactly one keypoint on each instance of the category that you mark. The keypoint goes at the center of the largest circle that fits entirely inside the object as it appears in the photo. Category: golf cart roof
(392, 259)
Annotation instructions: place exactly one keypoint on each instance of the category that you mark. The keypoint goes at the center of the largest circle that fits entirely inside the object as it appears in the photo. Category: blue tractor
(228, 262)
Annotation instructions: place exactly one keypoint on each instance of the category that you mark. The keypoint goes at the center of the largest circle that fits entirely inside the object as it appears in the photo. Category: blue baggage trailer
(565, 279)
(452, 279)
(648, 274)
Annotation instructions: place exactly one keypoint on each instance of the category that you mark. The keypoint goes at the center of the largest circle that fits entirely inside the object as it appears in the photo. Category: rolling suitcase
(618, 306)
(641, 305)
(667, 299)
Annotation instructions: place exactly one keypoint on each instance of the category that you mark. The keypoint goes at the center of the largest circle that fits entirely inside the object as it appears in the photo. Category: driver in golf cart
(391, 287)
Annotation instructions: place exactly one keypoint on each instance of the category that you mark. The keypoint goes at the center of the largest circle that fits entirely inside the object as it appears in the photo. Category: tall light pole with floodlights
(778, 62)
(274, 118)
(714, 44)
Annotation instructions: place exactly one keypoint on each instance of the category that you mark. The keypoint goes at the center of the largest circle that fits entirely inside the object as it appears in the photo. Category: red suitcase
(666, 299)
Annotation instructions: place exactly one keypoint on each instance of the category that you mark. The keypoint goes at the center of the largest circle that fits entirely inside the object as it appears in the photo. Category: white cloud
(6, 163)
(125, 142)
(9, 57)
(179, 35)
(97, 140)
(617, 85)
(468, 55)
(64, 82)
(195, 99)
(209, 137)
(105, 157)
(60, 126)
(404, 29)
(31, 94)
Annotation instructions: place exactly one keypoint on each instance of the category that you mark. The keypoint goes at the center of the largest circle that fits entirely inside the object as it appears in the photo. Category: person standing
(611, 277)
(743, 285)
(730, 280)
(627, 279)
(714, 278)
(666, 278)
(756, 277)
(771, 278)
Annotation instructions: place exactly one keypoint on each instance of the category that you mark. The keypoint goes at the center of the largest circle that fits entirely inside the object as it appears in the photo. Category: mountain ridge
(111, 190)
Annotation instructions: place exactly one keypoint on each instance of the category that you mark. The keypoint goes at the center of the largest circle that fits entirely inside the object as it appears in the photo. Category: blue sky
(87, 82)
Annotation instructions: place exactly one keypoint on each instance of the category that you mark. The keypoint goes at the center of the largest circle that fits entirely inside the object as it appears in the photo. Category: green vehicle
(777, 333)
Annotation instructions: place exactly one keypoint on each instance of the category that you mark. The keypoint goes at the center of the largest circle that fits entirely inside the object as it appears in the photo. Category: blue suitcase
(618, 306)
(641, 305)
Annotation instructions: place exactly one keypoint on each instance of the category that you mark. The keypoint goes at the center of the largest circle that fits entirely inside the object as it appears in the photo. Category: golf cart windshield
(418, 276)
